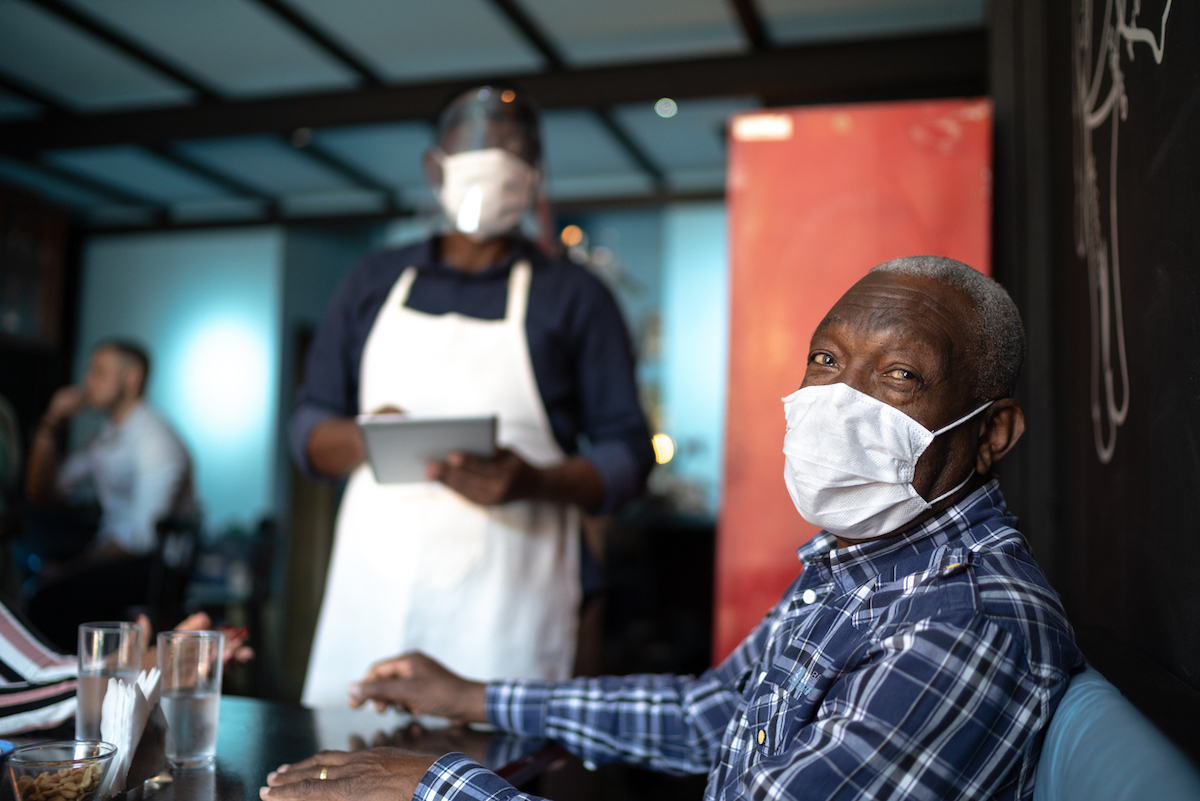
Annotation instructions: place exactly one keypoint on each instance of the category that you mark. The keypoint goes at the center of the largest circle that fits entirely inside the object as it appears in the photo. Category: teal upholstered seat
(1100, 748)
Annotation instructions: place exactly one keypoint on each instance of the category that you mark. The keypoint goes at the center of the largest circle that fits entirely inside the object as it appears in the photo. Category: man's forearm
(575, 481)
(41, 477)
(335, 447)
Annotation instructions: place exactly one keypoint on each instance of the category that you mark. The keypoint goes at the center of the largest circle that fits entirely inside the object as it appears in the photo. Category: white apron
(491, 592)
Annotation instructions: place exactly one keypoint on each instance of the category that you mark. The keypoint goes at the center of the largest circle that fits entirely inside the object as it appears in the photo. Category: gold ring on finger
(324, 774)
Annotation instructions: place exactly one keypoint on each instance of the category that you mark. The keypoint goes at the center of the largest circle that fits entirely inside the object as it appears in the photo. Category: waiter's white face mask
(850, 461)
(485, 193)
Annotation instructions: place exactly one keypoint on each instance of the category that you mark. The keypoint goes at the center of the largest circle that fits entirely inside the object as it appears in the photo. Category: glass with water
(190, 662)
(106, 650)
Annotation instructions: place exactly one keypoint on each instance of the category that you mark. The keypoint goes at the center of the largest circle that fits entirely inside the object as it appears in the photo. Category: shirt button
(762, 735)
(809, 596)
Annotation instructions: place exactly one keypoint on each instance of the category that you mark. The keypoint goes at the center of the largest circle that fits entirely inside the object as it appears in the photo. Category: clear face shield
(488, 154)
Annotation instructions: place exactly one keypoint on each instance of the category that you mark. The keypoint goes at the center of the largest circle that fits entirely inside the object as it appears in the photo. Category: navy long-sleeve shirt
(578, 346)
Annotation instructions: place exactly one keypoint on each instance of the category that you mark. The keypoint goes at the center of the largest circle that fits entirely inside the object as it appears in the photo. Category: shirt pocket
(780, 707)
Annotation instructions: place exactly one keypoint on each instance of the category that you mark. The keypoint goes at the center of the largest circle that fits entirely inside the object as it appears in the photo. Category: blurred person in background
(136, 470)
(480, 565)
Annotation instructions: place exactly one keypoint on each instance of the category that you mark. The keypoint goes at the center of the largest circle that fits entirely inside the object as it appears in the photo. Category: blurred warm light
(765, 127)
(664, 448)
(226, 379)
(666, 107)
(508, 96)
(572, 235)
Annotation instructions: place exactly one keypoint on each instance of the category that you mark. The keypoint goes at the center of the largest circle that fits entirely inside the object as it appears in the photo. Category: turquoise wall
(207, 305)
(695, 309)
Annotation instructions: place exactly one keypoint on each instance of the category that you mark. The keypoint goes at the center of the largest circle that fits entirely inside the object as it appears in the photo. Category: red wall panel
(817, 196)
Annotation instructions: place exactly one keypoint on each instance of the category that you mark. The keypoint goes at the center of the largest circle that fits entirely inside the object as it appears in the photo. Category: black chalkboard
(1127, 344)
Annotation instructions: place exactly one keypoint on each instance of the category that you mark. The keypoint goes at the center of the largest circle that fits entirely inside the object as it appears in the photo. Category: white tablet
(399, 445)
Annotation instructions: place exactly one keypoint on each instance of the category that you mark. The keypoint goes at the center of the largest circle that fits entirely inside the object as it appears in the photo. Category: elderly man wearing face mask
(479, 567)
(920, 653)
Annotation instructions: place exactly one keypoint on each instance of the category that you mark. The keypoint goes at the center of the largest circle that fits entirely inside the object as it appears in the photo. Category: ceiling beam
(937, 65)
(532, 32)
(111, 37)
(752, 25)
(324, 42)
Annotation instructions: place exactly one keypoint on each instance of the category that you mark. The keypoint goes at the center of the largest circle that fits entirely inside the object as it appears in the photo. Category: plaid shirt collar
(857, 564)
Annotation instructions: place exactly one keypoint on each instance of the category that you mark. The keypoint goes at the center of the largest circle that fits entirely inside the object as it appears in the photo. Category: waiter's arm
(324, 438)
(335, 446)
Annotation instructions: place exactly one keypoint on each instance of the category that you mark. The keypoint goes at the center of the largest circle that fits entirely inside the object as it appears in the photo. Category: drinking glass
(190, 662)
(106, 650)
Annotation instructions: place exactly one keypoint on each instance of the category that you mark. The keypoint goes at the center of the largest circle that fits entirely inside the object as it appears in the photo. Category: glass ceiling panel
(266, 163)
(575, 143)
(635, 30)
(238, 48)
(67, 63)
(137, 171)
(47, 187)
(798, 21)
(13, 107)
(693, 137)
(391, 152)
(425, 39)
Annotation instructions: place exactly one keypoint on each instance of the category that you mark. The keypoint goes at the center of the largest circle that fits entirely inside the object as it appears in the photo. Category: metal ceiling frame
(934, 65)
(208, 95)
(751, 23)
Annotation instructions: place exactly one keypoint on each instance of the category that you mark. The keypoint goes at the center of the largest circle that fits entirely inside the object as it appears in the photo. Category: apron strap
(404, 285)
(518, 292)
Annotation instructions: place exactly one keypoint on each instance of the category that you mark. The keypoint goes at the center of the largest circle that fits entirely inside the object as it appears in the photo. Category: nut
(65, 784)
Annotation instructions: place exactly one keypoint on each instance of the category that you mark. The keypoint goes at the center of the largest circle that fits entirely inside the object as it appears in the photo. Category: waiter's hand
(505, 477)
(386, 774)
(415, 683)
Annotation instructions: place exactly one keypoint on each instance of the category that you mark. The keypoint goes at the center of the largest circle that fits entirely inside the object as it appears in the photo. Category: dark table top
(255, 737)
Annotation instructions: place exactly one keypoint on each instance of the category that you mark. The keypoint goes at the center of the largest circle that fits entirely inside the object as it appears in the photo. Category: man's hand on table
(386, 774)
(417, 684)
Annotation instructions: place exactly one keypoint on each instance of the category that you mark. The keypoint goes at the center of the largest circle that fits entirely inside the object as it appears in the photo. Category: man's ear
(1003, 425)
(433, 168)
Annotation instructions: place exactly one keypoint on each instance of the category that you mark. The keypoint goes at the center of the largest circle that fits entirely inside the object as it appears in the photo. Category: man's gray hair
(999, 337)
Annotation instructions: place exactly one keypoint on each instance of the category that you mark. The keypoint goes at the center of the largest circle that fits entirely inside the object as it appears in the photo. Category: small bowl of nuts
(70, 770)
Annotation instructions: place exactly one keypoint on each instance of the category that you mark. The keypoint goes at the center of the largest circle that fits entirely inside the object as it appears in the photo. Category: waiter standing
(480, 565)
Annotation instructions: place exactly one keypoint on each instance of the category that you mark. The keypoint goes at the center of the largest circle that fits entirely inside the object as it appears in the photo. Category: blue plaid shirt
(920, 666)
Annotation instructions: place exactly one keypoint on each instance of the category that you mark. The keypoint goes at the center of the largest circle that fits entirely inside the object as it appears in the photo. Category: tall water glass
(190, 662)
(106, 650)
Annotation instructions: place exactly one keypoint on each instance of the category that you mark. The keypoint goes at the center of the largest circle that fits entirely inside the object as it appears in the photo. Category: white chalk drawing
(1098, 67)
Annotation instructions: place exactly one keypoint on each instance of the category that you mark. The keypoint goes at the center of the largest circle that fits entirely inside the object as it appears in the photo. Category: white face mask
(850, 461)
(485, 193)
